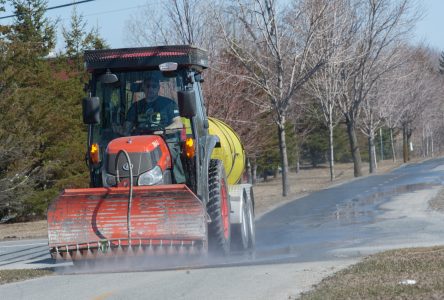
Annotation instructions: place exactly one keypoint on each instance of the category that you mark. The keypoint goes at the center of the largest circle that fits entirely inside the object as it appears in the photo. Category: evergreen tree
(3, 31)
(441, 63)
(42, 139)
(78, 40)
(31, 29)
(74, 35)
(93, 40)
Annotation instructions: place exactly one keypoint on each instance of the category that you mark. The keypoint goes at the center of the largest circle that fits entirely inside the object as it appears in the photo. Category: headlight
(108, 180)
(152, 177)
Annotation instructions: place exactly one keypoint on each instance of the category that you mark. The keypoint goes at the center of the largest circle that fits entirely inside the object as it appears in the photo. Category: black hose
(130, 198)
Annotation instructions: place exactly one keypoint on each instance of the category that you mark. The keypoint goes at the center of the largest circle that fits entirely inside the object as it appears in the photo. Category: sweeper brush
(91, 223)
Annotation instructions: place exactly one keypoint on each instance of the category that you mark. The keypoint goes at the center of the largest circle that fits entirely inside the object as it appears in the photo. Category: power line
(112, 11)
(53, 7)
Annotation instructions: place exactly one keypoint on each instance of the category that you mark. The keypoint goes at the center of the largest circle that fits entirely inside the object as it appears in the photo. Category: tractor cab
(116, 90)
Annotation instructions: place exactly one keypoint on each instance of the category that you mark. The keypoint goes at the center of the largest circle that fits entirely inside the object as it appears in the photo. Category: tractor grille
(142, 162)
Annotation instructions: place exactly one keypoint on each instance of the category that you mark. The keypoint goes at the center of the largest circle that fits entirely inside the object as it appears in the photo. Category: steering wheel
(149, 128)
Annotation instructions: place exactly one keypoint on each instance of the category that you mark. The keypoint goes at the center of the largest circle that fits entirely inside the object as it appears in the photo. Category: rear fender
(208, 142)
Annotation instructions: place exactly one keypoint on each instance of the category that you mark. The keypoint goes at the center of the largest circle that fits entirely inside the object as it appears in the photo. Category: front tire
(218, 208)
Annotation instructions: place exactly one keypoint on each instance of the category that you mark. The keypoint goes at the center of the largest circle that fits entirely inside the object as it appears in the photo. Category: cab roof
(146, 57)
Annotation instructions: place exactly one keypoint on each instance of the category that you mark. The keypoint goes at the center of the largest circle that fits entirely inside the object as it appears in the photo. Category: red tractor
(134, 205)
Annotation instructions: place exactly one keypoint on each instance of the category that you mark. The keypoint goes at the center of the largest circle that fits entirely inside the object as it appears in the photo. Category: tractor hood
(145, 152)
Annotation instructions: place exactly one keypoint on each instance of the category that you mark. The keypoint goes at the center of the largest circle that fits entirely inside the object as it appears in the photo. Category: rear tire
(241, 232)
(218, 208)
(250, 222)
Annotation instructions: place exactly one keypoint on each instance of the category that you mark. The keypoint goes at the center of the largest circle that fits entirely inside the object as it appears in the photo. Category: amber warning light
(189, 148)
(94, 153)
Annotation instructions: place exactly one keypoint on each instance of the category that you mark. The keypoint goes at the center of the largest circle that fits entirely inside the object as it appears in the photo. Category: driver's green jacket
(157, 113)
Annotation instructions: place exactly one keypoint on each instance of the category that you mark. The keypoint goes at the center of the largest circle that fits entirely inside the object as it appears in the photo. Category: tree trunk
(381, 141)
(405, 148)
(371, 152)
(354, 147)
(432, 151)
(254, 175)
(392, 142)
(284, 158)
(409, 135)
(249, 172)
(265, 176)
(332, 156)
(426, 144)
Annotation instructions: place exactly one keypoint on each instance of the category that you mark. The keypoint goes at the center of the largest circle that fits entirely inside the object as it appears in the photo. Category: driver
(158, 113)
(154, 111)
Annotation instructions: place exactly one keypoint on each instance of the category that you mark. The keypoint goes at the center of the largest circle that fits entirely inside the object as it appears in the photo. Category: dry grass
(23, 230)
(8, 276)
(380, 277)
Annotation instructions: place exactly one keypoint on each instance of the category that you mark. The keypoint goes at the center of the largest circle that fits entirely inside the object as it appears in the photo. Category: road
(297, 244)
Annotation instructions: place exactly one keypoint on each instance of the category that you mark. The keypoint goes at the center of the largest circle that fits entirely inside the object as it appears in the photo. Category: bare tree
(326, 85)
(228, 97)
(274, 46)
(376, 105)
(417, 94)
(380, 25)
(392, 94)
(170, 22)
(236, 102)
(372, 117)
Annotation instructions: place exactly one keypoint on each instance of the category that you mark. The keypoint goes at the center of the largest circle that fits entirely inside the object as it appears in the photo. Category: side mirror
(187, 103)
(91, 110)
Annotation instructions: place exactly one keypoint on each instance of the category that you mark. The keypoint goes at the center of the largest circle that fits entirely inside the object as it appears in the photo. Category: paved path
(297, 245)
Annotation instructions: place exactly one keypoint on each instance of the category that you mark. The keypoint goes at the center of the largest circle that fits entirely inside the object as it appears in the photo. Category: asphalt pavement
(297, 244)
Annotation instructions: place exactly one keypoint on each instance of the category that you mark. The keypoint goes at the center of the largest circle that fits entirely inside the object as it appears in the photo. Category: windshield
(119, 99)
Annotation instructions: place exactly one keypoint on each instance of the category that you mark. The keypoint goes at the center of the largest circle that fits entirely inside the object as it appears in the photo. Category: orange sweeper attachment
(101, 222)
(128, 219)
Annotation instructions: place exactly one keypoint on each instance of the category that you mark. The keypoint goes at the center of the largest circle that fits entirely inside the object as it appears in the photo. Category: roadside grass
(9, 276)
(383, 276)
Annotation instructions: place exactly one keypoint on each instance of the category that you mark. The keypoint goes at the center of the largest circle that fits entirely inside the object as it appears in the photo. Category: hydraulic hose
(130, 196)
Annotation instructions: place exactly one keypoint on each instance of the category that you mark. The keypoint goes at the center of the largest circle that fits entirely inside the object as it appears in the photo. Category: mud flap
(90, 222)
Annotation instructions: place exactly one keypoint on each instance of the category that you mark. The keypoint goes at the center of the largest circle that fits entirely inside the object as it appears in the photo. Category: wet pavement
(341, 221)
(319, 225)
(298, 244)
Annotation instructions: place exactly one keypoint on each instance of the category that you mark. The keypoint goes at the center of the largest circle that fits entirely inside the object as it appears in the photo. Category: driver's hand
(172, 129)
(154, 118)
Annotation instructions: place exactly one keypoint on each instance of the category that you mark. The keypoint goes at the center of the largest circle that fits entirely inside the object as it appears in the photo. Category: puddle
(365, 208)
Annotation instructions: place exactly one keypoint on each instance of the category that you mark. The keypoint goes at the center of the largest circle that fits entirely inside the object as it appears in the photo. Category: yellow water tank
(230, 150)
